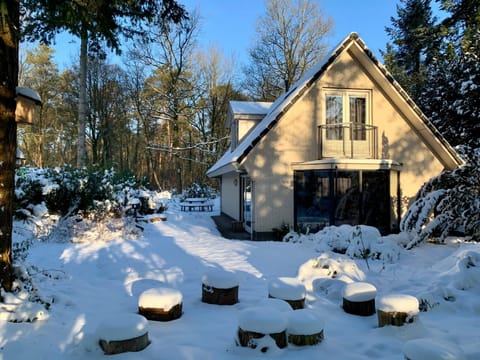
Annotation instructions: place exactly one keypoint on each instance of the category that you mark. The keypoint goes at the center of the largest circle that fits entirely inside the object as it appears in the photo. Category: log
(160, 304)
(128, 345)
(120, 333)
(250, 339)
(397, 309)
(158, 314)
(362, 308)
(213, 295)
(395, 318)
(305, 340)
(359, 298)
(289, 289)
(295, 304)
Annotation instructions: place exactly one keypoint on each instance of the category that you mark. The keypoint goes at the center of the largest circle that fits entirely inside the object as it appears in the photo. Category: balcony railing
(348, 140)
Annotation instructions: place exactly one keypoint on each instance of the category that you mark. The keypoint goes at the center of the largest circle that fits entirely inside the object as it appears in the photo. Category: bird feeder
(28, 101)
(20, 159)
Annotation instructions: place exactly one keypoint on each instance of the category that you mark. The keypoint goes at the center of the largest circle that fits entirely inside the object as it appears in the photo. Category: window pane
(312, 200)
(358, 117)
(334, 117)
(347, 198)
(376, 204)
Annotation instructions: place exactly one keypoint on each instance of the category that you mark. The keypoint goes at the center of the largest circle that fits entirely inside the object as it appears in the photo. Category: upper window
(346, 110)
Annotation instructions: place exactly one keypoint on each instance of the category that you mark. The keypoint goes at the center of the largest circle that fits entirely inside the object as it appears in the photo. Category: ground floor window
(335, 197)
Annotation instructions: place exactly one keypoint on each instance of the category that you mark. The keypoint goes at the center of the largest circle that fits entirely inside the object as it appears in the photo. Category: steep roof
(231, 160)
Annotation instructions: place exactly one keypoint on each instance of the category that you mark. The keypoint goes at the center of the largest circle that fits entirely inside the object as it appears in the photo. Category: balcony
(348, 140)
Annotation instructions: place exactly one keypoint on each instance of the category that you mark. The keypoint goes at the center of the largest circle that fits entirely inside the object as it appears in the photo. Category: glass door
(247, 203)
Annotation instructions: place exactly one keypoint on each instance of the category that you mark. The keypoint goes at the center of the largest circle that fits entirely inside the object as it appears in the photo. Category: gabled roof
(232, 160)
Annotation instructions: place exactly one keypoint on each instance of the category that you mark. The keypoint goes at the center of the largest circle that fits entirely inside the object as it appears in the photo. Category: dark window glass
(358, 117)
(347, 196)
(334, 117)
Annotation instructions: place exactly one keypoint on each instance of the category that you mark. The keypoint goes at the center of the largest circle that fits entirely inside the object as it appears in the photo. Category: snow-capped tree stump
(123, 333)
(277, 304)
(396, 309)
(260, 328)
(161, 304)
(220, 288)
(305, 327)
(431, 349)
(289, 289)
(359, 298)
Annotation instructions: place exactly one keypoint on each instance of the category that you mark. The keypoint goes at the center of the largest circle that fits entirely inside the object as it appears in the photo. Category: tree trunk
(8, 134)
(82, 102)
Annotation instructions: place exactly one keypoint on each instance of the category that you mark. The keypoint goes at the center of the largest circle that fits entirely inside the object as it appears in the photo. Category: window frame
(336, 134)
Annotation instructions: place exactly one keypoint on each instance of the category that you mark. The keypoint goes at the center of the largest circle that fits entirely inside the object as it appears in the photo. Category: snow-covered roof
(250, 107)
(231, 160)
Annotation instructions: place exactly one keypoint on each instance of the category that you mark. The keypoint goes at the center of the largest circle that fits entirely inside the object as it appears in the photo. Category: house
(345, 145)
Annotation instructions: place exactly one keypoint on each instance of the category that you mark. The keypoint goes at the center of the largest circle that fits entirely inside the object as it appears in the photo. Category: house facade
(345, 145)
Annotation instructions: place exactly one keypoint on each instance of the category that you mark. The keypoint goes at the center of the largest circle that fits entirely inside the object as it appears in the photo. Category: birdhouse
(27, 102)
(20, 159)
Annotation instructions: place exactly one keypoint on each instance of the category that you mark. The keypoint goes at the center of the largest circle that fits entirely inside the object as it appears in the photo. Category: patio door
(247, 203)
(346, 118)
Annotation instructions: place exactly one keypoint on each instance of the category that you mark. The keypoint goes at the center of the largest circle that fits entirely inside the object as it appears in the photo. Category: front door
(247, 203)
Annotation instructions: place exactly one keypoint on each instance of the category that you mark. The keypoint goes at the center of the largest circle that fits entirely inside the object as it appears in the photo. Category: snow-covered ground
(101, 272)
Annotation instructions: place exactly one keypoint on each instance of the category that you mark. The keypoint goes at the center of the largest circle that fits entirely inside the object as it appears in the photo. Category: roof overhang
(348, 164)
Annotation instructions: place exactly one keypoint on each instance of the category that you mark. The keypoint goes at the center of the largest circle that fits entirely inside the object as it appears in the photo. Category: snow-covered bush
(197, 191)
(65, 190)
(448, 203)
(361, 241)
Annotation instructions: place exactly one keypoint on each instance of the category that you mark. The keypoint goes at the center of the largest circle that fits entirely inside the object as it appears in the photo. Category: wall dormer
(242, 117)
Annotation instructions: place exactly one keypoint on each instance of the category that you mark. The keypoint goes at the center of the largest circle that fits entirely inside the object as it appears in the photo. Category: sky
(94, 275)
(230, 25)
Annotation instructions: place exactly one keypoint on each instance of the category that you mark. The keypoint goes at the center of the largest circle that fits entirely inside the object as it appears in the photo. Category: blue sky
(229, 25)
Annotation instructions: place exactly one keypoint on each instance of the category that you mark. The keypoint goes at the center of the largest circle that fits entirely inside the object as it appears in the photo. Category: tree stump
(305, 327)
(397, 309)
(431, 349)
(359, 298)
(261, 328)
(161, 304)
(123, 333)
(289, 289)
(220, 288)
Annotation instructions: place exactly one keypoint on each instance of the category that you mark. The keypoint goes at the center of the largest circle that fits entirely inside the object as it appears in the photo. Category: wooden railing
(348, 140)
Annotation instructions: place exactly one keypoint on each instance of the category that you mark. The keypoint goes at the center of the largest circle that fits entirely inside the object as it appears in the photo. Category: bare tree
(290, 38)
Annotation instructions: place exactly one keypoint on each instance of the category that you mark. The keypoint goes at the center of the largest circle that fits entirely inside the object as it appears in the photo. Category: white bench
(199, 204)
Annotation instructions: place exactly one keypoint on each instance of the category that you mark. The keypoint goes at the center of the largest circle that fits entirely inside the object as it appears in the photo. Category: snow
(359, 291)
(250, 107)
(286, 288)
(262, 320)
(160, 298)
(398, 303)
(430, 349)
(117, 327)
(107, 267)
(304, 322)
(220, 279)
